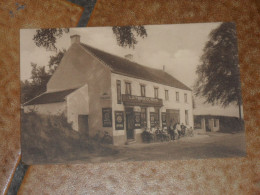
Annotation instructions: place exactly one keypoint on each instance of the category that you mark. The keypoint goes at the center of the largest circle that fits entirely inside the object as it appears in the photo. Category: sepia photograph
(131, 93)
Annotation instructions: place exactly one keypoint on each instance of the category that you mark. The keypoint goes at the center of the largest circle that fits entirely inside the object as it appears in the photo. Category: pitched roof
(50, 97)
(126, 67)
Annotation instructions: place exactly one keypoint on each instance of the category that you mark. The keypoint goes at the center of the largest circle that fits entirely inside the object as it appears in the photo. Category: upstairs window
(118, 88)
(166, 95)
(185, 98)
(177, 96)
(156, 92)
(128, 88)
(142, 90)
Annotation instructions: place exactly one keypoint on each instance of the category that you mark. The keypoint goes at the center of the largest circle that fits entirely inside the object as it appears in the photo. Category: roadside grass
(51, 139)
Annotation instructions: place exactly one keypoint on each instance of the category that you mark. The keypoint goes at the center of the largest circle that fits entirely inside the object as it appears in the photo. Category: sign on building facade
(107, 117)
(119, 120)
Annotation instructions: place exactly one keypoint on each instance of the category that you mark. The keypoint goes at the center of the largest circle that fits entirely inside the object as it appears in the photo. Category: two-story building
(98, 91)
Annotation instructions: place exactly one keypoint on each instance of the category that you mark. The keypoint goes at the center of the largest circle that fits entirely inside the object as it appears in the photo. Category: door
(130, 121)
(172, 116)
(83, 124)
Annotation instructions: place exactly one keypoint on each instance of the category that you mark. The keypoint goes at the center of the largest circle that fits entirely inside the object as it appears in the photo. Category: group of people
(176, 130)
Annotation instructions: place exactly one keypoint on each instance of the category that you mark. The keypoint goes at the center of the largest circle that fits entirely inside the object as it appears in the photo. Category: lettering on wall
(119, 120)
(107, 117)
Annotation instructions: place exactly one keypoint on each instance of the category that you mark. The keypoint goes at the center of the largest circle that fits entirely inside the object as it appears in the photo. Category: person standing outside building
(178, 128)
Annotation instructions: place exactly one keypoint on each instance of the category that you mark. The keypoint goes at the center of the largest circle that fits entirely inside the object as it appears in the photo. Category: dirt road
(210, 145)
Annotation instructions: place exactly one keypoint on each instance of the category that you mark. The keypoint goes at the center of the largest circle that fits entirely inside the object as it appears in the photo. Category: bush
(52, 139)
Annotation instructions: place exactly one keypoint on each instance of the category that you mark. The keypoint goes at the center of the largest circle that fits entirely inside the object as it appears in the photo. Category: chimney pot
(75, 39)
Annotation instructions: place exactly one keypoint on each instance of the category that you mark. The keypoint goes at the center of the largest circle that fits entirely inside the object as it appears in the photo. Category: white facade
(77, 104)
(170, 103)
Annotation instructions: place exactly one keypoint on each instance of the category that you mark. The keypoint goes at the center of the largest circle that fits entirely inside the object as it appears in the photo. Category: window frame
(156, 92)
(185, 97)
(177, 96)
(166, 93)
(119, 91)
(126, 88)
(143, 90)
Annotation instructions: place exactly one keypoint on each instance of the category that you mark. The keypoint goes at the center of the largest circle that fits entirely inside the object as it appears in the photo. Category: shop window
(118, 88)
(185, 98)
(166, 95)
(143, 118)
(156, 92)
(186, 117)
(142, 90)
(177, 96)
(128, 88)
(157, 117)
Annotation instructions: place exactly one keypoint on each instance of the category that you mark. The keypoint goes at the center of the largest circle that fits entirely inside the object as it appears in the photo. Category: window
(177, 96)
(186, 117)
(157, 117)
(185, 98)
(166, 95)
(118, 88)
(156, 92)
(128, 88)
(143, 118)
(142, 90)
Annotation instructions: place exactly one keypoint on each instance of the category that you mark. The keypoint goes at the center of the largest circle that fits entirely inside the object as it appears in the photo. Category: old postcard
(131, 93)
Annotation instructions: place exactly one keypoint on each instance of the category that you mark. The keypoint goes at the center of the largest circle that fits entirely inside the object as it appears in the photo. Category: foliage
(218, 74)
(55, 61)
(47, 37)
(37, 85)
(52, 139)
(126, 35)
(40, 78)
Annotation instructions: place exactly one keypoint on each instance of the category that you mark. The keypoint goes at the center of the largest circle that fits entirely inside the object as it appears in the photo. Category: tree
(38, 84)
(126, 35)
(55, 60)
(218, 74)
(47, 37)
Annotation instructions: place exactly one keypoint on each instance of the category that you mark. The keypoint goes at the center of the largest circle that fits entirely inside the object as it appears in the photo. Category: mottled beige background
(36, 14)
(214, 176)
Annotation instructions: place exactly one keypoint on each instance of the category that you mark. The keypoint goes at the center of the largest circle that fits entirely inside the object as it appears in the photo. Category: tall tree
(218, 74)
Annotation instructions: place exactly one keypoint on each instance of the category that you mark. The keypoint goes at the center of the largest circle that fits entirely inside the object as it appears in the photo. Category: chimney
(75, 39)
(164, 68)
(129, 57)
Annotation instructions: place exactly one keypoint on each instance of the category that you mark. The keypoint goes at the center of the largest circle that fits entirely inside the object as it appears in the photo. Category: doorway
(83, 124)
(130, 123)
(172, 115)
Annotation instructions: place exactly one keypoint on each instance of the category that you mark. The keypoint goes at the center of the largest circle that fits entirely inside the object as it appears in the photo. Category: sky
(178, 47)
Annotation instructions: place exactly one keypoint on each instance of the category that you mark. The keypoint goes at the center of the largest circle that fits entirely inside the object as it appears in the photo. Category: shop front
(141, 112)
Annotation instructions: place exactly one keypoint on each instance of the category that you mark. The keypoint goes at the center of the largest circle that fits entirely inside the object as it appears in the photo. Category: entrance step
(130, 141)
